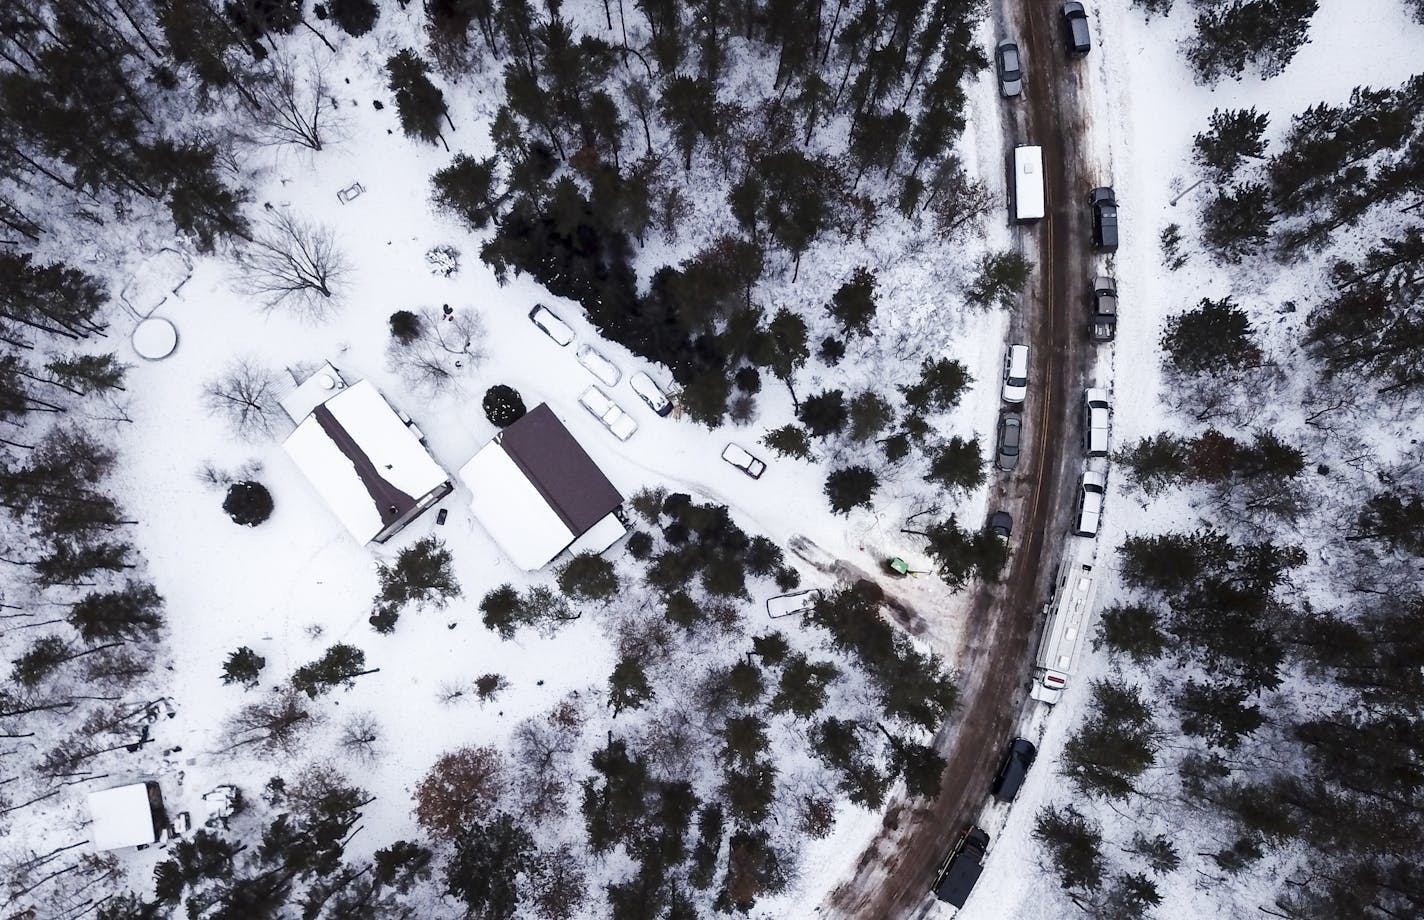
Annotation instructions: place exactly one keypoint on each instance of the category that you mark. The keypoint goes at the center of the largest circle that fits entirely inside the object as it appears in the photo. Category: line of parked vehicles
(1069, 611)
(602, 407)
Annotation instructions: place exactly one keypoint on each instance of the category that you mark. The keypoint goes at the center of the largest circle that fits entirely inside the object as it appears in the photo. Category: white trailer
(1069, 615)
(1028, 183)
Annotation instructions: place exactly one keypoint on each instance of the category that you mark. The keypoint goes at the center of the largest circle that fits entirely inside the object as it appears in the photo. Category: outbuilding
(362, 457)
(126, 816)
(537, 492)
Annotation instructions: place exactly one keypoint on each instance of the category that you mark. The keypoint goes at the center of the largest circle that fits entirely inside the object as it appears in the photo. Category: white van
(1090, 504)
(1097, 415)
(1028, 183)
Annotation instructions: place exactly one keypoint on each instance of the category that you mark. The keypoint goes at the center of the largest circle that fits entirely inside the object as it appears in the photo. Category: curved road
(894, 874)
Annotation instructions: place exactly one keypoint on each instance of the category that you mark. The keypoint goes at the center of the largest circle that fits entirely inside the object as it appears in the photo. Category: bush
(248, 503)
(640, 544)
(405, 326)
(502, 406)
(748, 380)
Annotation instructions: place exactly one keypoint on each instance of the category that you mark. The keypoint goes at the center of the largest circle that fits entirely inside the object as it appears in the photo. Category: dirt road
(894, 874)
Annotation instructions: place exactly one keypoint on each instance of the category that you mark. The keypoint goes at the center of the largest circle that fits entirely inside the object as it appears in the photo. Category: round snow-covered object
(155, 338)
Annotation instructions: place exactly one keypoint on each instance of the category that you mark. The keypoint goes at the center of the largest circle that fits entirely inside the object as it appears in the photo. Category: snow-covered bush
(248, 503)
(503, 405)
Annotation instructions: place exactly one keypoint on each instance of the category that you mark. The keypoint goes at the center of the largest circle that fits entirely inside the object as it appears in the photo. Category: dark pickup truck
(961, 870)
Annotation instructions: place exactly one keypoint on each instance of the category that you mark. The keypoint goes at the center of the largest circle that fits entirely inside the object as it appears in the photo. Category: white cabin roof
(122, 817)
(512, 510)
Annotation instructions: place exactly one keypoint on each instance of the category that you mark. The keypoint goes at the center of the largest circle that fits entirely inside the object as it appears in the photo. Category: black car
(1075, 29)
(1001, 524)
(1103, 325)
(1104, 205)
(961, 870)
(1017, 760)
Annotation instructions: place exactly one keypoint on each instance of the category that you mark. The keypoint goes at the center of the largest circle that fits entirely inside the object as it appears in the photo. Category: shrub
(248, 503)
(502, 406)
(405, 326)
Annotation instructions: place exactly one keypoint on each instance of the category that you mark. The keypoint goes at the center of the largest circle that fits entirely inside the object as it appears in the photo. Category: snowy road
(894, 874)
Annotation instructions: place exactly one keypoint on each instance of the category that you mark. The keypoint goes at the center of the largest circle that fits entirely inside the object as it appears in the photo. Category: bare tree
(275, 724)
(361, 736)
(447, 347)
(294, 111)
(246, 397)
(293, 263)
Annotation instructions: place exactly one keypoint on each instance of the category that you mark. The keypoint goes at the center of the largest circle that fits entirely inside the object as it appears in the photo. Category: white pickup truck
(609, 413)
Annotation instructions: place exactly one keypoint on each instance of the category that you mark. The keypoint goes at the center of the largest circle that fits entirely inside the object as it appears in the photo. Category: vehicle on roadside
(1103, 326)
(1001, 524)
(650, 393)
(605, 370)
(1009, 66)
(1014, 770)
(609, 413)
(1028, 183)
(1097, 416)
(797, 602)
(738, 457)
(1016, 374)
(1104, 205)
(551, 325)
(1076, 36)
(1069, 615)
(1091, 489)
(1010, 441)
(961, 869)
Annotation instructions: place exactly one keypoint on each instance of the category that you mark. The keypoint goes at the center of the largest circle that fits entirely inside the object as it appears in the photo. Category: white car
(1096, 418)
(609, 413)
(1090, 504)
(650, 393)
(551, 325)
(738, 457)
(605, 370)
(1016, 374)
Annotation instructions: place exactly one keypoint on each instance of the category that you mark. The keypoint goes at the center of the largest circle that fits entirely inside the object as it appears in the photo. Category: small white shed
(126, 816)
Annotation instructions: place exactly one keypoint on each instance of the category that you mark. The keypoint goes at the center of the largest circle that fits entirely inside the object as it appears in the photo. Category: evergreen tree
(689, 107)
(1262, 33)
(491, 861)
(824, 413)
(957, 465)
(789, 441)
(243, 666)
(589, 577)
(133, 612)
(853, 304)
(1215, 336)
(802, 688)
(851, 487)
(354, 17)
(942, 382)
(423, 574)
(503, 405)
(420, 103)
(1232, 137)
(1116, 743)
(1000, 277)
(1237, 221)
(1217, 712)
(467, 188)
(628, 686)
(88, 373)
(1133, 630)
(248, 503)
(870, 414)
(340, 665)
(1074, 844)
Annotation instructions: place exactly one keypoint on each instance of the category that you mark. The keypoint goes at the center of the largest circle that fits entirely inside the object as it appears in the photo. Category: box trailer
(1069, 615)
(1028, 183)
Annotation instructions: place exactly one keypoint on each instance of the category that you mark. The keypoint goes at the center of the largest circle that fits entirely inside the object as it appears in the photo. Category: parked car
(650, 393)
(1096, 419)
(1001, 523)
(1016, 374)
(1014, 770)
(1010, 441)
(1075, 29)
(1010, 69)
(1103, 325)
(961, 868)
(743, 461)
(1091, 489)
(551, 325)
(797, 602)
(1104, 204)
(605, 370)
(609, 413)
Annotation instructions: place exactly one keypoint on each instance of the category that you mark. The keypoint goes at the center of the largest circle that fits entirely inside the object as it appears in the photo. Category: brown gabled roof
(560, 469)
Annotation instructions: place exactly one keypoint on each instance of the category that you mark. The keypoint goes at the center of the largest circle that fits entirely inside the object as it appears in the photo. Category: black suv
(1103, 325)
(1017, 760)
(1104, 204)
(960, 871)
(1075, 29)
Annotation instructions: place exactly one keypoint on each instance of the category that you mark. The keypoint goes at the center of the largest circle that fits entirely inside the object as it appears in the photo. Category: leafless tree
(542, 748)
(294, 111)
(560, 883)
(361, 736)
(956, 200)
(274, 724)
(246, 397)
(447, 348)
(295, 264)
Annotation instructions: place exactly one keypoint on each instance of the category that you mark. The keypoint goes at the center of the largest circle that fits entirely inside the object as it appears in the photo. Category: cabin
(367, 461)
(537, 493)
(127, 816)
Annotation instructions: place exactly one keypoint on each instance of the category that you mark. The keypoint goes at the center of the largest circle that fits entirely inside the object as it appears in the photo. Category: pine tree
(824, 414)
(503, 405)
(1263, 33)
(853, 304)
(490, 862)
(419, 103)
(789, 441)
(423, 574)
(942, 382)
(957, 465)
(1217, 712)
(589, 577)
(1000, 277)
(340, 665)
(802, 687)
(1115, 745)
(468, 188)
(628, 686)
(354, 17)
(1074, 844)
(248, 503)
(1215, 336)
(1133, 630)
(133, 612)
(243, 666)
(1232, 137)
(1237, 221)
(689, 107)
(850, 487)
(88, 373)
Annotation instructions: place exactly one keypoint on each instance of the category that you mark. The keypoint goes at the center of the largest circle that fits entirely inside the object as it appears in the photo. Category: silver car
(1009, 66)
(1010, 441)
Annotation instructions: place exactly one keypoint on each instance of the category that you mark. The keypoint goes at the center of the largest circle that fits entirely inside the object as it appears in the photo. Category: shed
(126, 816)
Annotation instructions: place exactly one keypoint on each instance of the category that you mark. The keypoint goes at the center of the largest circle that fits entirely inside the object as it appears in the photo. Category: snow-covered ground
(1149, 110)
